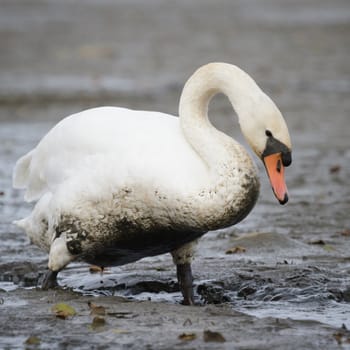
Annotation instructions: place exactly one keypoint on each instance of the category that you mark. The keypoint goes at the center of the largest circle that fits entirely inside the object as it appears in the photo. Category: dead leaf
(96, 309)
(338, 337)
(187, 336)
(235, 250)
(209, 336)
(98, 322)
(345, 232)
(334, 169)
(63, 310)
(342, 337)
(32, 340)
(98, 269)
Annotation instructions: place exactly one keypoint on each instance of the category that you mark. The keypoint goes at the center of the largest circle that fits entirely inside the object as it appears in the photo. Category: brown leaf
(334, 169)
(209, 336)
(96, 309)
(342, 337)
(345, 232)
(235, 250)
(338, 337)
(96, 269)
(187, 336)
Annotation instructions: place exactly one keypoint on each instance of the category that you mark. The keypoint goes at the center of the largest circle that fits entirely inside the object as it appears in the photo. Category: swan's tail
(22, 171)
(36, 225)
(21, 223)
(26, 175)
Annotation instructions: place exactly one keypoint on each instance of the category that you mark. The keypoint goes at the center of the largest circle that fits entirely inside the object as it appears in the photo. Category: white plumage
(113, 185)
(114, 145)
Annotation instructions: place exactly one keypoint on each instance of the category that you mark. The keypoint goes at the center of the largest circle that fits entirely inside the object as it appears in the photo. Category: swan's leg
(50, 280)
(59, 257)
(185, 278)
(183, 257)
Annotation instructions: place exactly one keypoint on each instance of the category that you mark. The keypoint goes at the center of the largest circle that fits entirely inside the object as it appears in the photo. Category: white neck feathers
(207, 81)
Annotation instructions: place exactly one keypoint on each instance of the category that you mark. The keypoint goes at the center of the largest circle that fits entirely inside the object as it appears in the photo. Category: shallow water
(293, 277)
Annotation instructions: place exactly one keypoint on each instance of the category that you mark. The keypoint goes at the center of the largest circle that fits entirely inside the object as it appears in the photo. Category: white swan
(114, 185)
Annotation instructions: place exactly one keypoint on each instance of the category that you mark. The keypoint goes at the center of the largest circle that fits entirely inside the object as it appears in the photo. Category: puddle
(327, 312)
(8, 286)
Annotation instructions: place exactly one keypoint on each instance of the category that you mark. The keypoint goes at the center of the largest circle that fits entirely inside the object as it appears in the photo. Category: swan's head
(266, 131)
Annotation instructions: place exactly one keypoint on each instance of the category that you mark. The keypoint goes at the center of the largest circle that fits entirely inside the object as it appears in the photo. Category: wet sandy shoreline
(289, 288)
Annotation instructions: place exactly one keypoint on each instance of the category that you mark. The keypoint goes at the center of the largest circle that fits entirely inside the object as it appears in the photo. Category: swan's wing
(112, 145)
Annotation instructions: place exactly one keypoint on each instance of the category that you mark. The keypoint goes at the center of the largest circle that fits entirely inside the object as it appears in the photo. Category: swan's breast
(236, 190)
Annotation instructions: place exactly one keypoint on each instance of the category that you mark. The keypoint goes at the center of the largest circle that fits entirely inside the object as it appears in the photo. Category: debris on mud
(210, 336)
(63, 310)
(98, 322)
(96, 309)
(235, 250)
(187, 336)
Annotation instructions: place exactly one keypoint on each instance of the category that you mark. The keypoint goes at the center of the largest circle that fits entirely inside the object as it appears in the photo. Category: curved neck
(207, 81)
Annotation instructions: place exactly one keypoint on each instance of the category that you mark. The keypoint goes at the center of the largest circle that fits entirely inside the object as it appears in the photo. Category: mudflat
(278, 280)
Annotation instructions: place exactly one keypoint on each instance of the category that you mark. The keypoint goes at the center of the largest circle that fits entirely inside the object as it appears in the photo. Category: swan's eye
(268, 133)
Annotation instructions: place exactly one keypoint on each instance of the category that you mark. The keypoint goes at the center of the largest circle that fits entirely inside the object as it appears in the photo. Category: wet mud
(278, 280)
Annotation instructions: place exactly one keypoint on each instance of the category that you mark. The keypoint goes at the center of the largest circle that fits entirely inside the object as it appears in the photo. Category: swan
(114, 185)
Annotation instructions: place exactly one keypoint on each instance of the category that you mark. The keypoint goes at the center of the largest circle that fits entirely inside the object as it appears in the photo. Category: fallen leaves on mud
(209, 336)
(97, 269)
(98, 322)
(96, 309)
(345, 232)
(187, 336)
(342, 336)
(334, 169)
(63, 310)
(235, 250)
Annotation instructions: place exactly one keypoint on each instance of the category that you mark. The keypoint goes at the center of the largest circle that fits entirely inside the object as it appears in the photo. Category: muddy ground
(288, 286)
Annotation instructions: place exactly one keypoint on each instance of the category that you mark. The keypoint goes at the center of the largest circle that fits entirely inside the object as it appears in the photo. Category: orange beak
(275, 171)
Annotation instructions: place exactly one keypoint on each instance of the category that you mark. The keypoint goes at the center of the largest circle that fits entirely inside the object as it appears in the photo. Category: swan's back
(104, 148)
